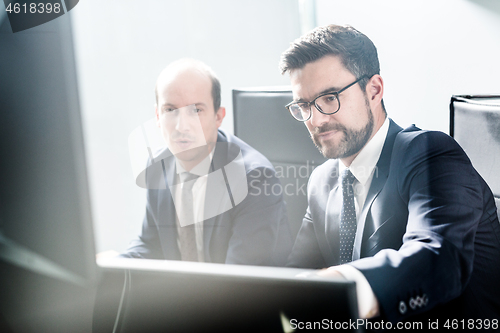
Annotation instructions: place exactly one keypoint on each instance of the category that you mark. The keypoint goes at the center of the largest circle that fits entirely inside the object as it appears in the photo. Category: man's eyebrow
(326, 91)
(176, 107)
(329, 90)
(168, 104)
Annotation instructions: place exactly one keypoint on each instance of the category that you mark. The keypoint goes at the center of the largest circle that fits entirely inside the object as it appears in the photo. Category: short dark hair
(356, 51)
(216, 88)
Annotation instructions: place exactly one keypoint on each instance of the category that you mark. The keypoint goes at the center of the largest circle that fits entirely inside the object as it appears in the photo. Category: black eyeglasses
(327, 103)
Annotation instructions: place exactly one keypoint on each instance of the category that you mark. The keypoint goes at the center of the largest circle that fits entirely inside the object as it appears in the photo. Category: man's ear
(375, 89)
(157, 116)
(219, 116)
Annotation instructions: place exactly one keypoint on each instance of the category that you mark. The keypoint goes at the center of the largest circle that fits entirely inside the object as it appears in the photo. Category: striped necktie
(347, 218)
(186, 231)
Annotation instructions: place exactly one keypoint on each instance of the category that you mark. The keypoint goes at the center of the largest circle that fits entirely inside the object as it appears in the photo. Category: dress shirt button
(402, 307)
(425, 299)
(413, 303)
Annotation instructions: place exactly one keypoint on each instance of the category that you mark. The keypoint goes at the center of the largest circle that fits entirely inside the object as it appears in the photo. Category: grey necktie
(347, 218)
(187, 235)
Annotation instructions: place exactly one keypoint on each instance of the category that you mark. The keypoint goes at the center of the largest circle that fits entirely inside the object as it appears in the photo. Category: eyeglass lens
(327, 104)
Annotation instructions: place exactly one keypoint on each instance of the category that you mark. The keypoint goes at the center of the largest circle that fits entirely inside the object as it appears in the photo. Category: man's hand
(107, 254)
(330, 272)
(368, 306)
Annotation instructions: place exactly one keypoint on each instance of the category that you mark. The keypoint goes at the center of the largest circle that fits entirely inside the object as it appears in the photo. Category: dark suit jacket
(428, 237)
(254, 231)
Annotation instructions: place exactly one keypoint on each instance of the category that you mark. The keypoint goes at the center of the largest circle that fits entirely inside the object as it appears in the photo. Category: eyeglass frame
(336, 93)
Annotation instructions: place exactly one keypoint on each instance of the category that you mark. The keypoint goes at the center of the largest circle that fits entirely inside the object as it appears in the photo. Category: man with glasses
(400, 211)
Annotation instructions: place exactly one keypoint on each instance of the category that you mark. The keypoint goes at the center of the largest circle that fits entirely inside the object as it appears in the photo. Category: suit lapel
(166, 209)
(214, 185)
(381, 173)
(332, 223)
(214, 206)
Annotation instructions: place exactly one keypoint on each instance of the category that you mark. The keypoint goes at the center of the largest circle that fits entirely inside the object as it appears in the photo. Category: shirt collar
(362, 166)
(201, 169)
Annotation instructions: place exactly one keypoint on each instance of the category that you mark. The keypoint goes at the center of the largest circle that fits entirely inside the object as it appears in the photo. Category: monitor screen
(139, 295)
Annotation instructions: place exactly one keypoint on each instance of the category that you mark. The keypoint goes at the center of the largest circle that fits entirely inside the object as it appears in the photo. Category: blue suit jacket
(428, 236)
(254, 232)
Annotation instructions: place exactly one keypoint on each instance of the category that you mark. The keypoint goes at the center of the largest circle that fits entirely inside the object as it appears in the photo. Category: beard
(351, 142)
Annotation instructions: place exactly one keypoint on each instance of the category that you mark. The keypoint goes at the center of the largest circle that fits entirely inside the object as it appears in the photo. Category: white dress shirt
(199, 189)
(363, 167)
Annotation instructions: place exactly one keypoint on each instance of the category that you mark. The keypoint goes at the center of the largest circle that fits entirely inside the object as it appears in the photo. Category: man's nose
(317, 118)
(183, 121)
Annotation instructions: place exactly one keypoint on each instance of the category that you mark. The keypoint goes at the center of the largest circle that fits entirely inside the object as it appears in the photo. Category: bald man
(206, 191)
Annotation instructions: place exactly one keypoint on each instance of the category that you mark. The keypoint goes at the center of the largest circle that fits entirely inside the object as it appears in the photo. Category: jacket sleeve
(444, 199)
(147, 244)
(306, 252)
(260, 235)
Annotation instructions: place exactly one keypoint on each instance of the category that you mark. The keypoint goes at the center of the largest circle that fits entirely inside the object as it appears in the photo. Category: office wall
(428, 50)
(122, 46)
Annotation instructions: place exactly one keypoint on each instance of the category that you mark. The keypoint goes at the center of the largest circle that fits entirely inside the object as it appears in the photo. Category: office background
(428, 49)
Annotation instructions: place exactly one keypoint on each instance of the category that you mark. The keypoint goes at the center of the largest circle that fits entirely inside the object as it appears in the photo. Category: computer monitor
(139, 295)
(47, 255)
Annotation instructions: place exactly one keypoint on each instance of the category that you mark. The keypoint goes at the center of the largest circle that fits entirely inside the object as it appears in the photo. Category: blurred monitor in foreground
(177, 296)
(47, 256)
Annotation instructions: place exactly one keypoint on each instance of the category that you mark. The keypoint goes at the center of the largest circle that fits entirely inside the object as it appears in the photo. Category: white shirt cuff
(367, 302)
